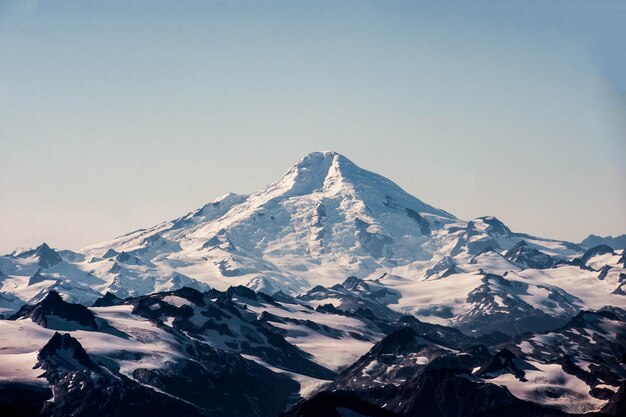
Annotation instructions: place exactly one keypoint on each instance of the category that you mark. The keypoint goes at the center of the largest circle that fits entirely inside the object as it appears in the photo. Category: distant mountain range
(617, 242)
(332, 292)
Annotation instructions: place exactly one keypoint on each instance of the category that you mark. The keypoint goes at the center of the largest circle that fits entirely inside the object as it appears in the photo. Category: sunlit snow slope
(325, 220)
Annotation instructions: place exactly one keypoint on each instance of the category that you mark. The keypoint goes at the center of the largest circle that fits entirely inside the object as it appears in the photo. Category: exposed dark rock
(62, 354)
(372, 243)
(47, 257)
(617, 403)
(335, 404)
(53, 305)
(527, 257)
(110, 254)
(445, 267)
(21, 399)
(423, 223)
(502, 362)
(37, 278)
(109, 299)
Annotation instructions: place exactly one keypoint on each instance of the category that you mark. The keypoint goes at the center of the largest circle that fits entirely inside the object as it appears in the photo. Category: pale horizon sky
(117, 115)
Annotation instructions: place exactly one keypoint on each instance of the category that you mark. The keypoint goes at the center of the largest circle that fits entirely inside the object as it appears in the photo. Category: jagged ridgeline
(331, 292)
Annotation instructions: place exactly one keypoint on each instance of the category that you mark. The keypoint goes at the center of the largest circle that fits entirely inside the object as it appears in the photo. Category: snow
(419, 296)
(573, 394)
(598, 261)
(301, 231)
(20, 342)
(324, 220)
(19, 367)
(327, 351)
(370, 367)
(578, 282)
(176, 301)
(526, 347)
(421, 360)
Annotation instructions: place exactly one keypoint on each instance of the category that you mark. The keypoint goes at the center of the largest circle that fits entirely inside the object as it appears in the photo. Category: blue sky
(116, 115)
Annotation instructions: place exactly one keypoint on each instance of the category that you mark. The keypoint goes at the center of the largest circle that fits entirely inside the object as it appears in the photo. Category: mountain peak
(315, 172)
(53, 305)
(318, 157)
(47, 256)
(324, 161)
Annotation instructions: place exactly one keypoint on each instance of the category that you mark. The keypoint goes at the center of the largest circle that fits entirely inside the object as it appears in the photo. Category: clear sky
(115, 115)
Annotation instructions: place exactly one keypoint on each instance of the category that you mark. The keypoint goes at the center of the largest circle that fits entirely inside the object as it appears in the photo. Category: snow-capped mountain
(334, 277)
(325, 218)
(323, 221)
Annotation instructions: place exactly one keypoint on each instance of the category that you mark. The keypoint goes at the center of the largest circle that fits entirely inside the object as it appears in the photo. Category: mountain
(525, 256)
(326, 220)
(558, 373)
(330, 289)
(54, 312)
(241, 352)
(148, 361)
(617, 242)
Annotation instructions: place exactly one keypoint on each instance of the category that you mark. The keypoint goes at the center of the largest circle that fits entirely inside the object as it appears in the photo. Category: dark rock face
(109, 299)
(73, 315)
(47, 257)
(335, 404)
(621, 288)
(398, 356)
(617, 403)
(441, 335)
(504, 361)
(442, 389)
(522, 254)
(37, 278)
(63, 354)
(21, 399)
(431, 394)
(110, 254)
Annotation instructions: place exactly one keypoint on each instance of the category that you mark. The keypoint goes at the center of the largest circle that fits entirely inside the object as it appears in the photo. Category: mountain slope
(323, 221)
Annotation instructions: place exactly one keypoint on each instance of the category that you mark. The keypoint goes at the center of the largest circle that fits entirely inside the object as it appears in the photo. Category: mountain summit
(330, 173)
(324, 220)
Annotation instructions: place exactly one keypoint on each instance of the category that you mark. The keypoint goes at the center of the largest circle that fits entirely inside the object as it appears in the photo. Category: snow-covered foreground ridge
(330, 292)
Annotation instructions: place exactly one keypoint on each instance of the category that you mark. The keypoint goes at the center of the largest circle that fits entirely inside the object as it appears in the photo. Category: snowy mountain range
(335, 290)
